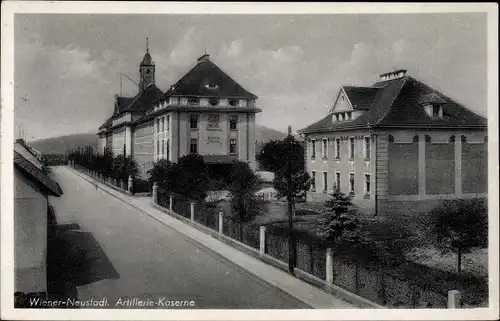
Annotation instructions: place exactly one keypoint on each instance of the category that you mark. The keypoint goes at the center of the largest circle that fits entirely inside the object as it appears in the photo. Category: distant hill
(265, 134)
(63, 144)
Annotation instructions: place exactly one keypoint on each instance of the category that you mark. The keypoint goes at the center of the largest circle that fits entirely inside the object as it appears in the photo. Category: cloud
(58, 84)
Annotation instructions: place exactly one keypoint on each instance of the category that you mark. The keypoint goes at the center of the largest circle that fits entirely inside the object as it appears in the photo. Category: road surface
(123, 254)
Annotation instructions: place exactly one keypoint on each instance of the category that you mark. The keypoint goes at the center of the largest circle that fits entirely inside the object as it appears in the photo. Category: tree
(188, 177)
(272, 156)
(338, 223)
(301, 182)
(243, 184)
(459, 226)
(122, 167)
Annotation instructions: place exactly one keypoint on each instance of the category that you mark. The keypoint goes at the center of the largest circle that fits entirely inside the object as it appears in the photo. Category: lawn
(384, 229)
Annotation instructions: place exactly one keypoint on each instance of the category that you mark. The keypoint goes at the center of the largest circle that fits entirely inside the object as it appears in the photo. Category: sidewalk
(309, 294)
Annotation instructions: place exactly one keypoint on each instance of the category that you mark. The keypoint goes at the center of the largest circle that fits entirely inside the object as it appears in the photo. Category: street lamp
(291, 243)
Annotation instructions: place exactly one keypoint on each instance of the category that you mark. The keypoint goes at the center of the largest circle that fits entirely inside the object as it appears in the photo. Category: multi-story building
(206, 112)
(397, 145)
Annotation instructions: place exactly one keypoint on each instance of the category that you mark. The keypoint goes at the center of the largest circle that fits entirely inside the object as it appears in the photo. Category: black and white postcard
(249, 161)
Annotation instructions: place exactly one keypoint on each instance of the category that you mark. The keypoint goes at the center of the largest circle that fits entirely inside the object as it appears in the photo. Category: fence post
(155, 193)
(130, 183)
(262, 240)
(329, 265)
(171, 203)
(454, 299)
(192, 211)
(221, 222)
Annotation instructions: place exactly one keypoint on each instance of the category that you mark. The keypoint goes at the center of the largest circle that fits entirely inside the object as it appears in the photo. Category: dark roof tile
(206, 79)
(397, 102)
(37, 175)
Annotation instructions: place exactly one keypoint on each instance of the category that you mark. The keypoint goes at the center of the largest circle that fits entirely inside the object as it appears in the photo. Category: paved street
(135, 256)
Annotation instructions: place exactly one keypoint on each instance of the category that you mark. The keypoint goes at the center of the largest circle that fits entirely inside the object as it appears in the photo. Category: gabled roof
(206, 79)
(35, 174)
(396, 103)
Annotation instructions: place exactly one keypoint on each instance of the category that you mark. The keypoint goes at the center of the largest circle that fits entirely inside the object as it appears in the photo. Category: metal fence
(375, 281)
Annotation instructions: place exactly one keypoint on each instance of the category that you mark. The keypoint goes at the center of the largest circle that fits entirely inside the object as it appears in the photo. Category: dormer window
(212, 86)
(435, 110)
(233, 102)
(432, 104)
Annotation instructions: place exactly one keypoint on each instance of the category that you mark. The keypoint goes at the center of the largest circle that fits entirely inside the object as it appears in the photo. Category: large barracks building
(206, 112)
(398, 145)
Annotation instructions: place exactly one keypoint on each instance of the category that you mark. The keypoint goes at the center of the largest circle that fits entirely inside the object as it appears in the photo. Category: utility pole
(291, 243)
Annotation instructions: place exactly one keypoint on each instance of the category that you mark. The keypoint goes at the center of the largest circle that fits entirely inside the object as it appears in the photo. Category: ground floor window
(233, 147)
(313, 181)
(351, 183)
(337, 181)
(193, 146)
(325, 182)
(367, 185)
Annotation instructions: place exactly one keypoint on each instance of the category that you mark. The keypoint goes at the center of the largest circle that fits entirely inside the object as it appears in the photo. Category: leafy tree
(338, 223)
(123, 167)
(243, 184)
(273, 156)
(301, 182)
(188, 177)
(459, 226)
(159, 173)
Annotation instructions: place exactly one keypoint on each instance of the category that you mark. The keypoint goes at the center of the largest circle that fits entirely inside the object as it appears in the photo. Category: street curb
(330, 289)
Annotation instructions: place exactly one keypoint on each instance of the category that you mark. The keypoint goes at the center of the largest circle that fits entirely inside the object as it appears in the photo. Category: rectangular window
(351, 183)
(193, 146)
(324, 148)
(337, 181)
(157, 146)
(435, 110)
(367, 147)
(325, 182)
(163, 124)
(233, 147)
(313, 149)
(337, 147)
(313, 181)
(168, 149)
(163, 147)
(168, 122)
(233, 122)
(193, 122)
(157, 125)
(367, 185)
(351, 147)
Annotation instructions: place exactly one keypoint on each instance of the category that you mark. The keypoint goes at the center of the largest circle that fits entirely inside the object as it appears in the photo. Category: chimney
(203, 58)
(400, 73)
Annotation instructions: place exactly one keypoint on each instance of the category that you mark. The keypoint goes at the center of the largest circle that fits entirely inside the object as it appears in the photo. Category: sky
(67, 66)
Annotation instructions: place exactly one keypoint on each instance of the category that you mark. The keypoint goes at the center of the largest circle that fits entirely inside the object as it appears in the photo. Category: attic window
(211, 86)
(233, 102)
(435, 110)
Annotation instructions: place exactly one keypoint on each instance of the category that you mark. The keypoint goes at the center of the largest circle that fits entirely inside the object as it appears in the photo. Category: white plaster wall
(30, 236)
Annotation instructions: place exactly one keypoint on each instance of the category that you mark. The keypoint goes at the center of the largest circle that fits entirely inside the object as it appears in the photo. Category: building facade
(397, 146)
(32, 188)
(206, 112)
